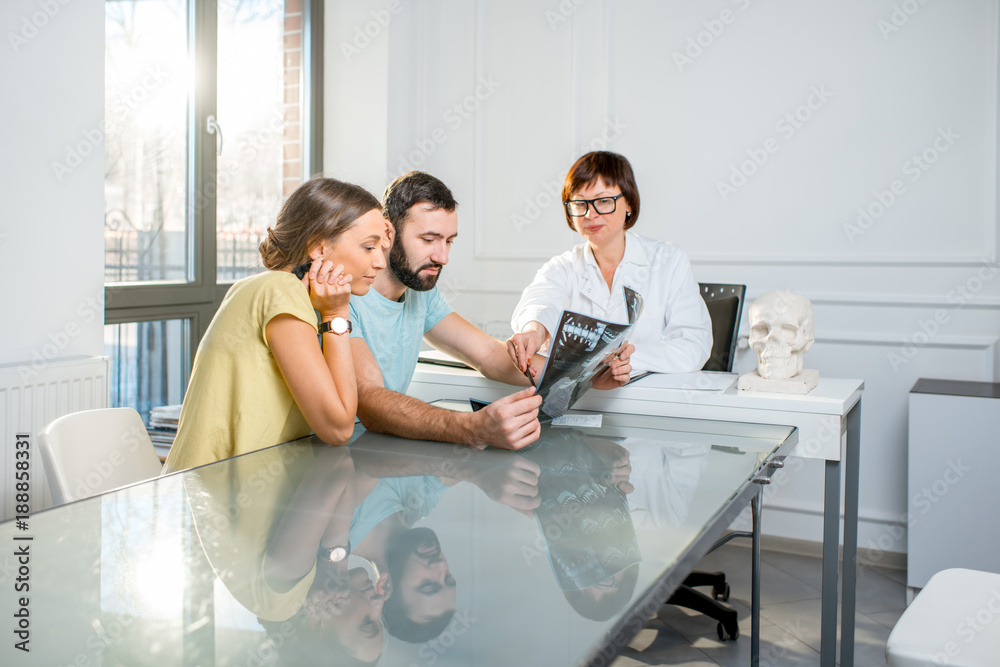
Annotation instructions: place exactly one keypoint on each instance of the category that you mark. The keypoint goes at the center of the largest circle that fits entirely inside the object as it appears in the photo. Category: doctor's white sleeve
(545, 298)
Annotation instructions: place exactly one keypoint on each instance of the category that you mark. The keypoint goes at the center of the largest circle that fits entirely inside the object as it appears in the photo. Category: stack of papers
(165, 416)
(163, 427)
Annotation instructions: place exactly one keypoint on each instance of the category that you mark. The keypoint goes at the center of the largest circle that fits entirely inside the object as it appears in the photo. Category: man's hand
(509, 423)
(619, 371)
(512, 480)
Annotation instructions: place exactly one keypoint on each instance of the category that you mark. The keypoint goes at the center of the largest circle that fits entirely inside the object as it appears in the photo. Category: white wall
(355, 101)
(52, 180)
(498, 99)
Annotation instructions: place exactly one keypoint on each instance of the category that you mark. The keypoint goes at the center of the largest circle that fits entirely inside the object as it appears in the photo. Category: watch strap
(334, 554)
(327, 327)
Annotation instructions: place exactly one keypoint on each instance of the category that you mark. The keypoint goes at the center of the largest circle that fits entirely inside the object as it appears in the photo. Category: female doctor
(674, 332)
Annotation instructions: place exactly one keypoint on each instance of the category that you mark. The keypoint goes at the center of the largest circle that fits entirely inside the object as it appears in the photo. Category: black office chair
(725, 307)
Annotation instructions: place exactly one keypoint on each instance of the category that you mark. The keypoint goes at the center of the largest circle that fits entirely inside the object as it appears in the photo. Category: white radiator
(32, 395)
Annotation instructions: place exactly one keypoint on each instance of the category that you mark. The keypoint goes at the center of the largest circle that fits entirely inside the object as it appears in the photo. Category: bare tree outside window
(153, 220)
(145, 127)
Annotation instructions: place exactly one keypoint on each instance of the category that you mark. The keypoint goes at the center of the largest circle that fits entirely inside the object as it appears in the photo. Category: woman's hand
(329, 288)
(522, 347)
(619, 369)
(618, 462)
(621, 364)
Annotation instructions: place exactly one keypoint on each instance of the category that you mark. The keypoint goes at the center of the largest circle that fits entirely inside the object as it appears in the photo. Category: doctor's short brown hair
(612, 168)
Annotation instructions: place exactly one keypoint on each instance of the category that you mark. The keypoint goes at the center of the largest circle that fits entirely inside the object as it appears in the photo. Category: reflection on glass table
(458, 556)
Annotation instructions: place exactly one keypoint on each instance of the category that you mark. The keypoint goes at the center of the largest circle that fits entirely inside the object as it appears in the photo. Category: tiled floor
(790, 616)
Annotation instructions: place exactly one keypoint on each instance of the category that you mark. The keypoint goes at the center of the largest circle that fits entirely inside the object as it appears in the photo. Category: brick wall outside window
(292, 169)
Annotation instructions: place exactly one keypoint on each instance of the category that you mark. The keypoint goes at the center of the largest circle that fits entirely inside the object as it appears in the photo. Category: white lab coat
(674, 333)
(665, 476)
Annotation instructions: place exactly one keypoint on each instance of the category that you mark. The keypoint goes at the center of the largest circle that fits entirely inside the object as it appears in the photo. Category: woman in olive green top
(260, 376)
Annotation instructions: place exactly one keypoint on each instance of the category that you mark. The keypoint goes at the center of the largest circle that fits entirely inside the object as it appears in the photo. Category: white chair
(954, 620)
(90, 452)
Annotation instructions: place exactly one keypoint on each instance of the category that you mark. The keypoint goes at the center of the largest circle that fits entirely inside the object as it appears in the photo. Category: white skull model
(781, 332)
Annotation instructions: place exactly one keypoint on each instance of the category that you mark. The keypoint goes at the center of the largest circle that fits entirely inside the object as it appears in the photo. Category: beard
(400, 265)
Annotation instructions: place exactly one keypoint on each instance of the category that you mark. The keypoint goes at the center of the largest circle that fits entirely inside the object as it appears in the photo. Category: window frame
(199, 299)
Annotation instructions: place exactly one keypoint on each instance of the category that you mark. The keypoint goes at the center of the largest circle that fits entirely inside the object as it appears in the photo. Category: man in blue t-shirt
(404, 307)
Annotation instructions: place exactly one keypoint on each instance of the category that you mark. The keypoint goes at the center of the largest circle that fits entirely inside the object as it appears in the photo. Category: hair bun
(272, 256)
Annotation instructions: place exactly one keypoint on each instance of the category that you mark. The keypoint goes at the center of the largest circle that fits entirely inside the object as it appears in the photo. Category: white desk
(822, 416)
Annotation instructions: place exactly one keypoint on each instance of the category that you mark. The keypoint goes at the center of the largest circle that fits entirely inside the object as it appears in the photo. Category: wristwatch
(337, 325)
(334, 554)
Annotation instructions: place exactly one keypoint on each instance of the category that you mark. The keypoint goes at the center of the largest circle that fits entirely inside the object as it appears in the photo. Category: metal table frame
(838, 409)
(710, 539)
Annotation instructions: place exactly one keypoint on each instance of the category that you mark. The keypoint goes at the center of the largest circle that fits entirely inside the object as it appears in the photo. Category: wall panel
(912, 293)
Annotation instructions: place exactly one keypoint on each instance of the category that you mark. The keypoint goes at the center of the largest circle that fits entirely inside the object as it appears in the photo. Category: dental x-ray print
(581, 350)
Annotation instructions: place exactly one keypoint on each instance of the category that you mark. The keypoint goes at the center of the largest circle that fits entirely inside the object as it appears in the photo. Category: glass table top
(457, 556)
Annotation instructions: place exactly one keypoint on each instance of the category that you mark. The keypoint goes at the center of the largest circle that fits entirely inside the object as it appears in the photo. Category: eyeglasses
(577, 208)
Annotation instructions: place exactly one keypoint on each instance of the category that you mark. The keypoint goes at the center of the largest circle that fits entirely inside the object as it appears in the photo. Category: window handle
(213, 128)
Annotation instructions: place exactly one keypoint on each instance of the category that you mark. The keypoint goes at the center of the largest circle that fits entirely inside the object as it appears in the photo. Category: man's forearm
(369, 454)
(385, 411)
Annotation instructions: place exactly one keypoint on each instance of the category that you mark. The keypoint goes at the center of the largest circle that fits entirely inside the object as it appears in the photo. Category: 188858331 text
(22, 543)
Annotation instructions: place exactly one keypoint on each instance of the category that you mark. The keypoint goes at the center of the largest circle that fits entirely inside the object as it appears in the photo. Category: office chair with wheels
(90, 452)
(725, 307)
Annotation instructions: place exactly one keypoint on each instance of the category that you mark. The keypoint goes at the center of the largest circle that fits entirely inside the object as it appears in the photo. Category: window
(212, 117)
(147, 363)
